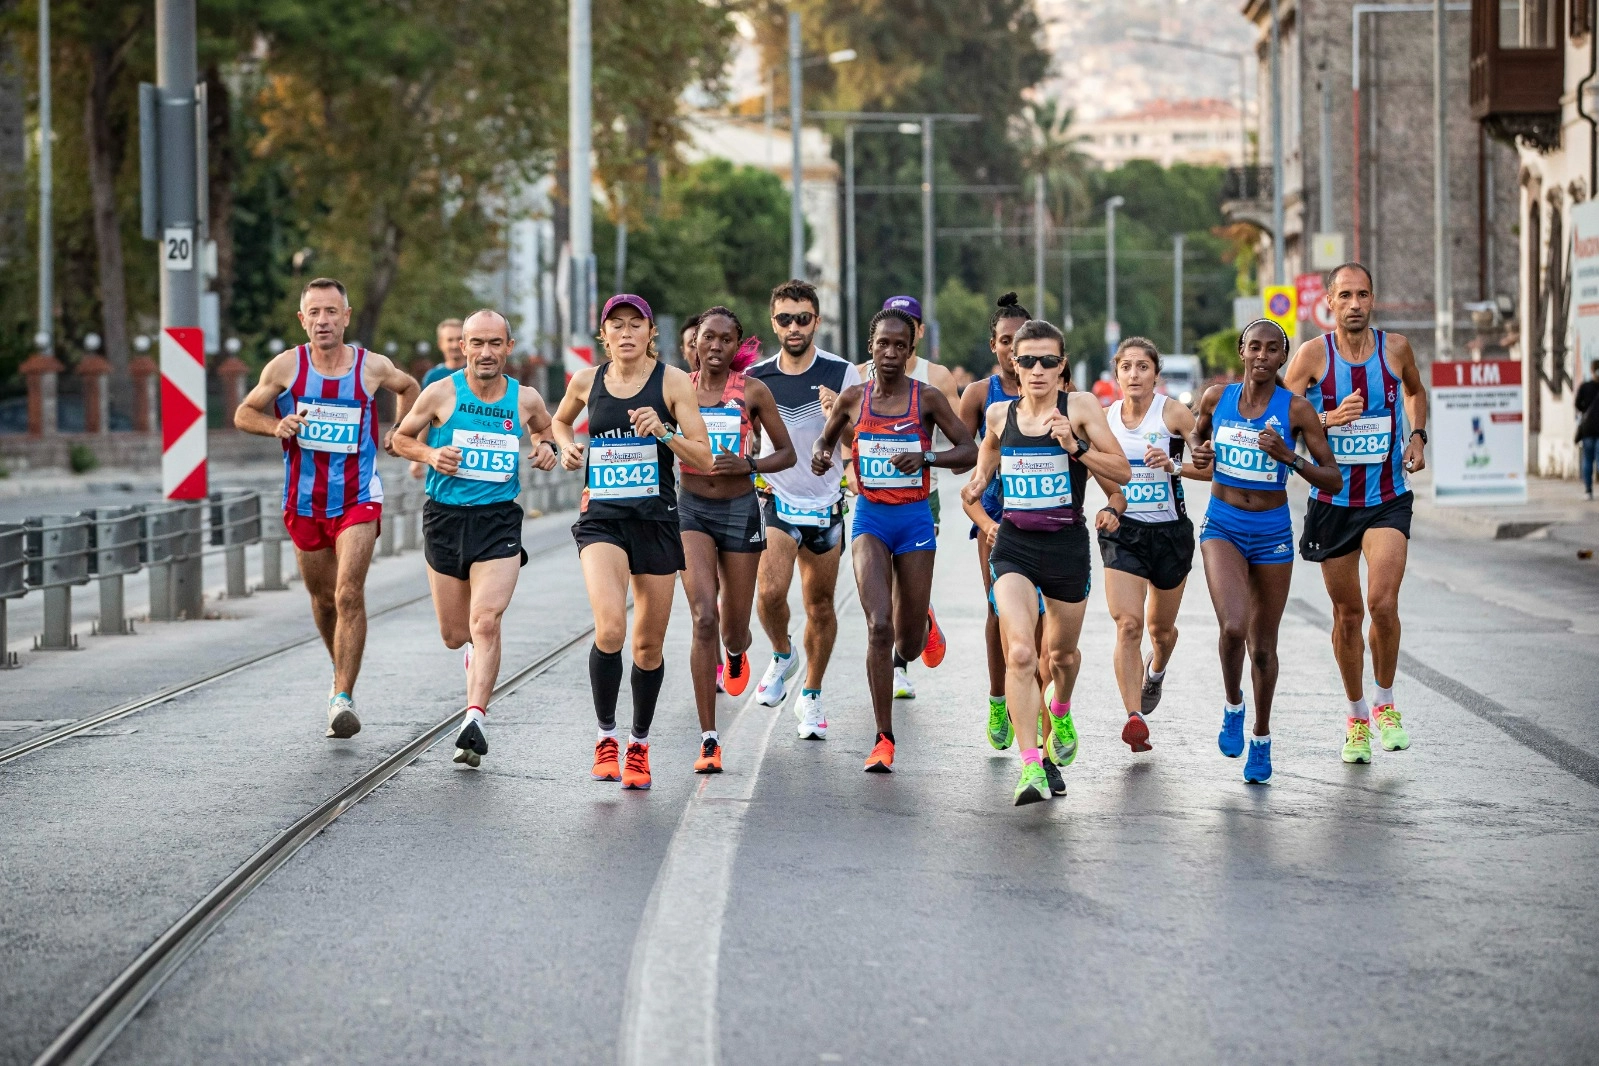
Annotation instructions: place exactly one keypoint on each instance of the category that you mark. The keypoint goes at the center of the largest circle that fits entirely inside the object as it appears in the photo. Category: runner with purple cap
(643, 417)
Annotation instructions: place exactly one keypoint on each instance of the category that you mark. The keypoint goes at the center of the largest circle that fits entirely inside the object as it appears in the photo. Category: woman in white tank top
(1145, 537)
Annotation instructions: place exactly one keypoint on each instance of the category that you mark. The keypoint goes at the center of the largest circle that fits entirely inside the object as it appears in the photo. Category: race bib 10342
(623, 468)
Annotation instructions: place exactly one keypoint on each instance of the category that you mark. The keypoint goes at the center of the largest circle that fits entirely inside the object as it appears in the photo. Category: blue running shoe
(1231, 738)
(1257, 768)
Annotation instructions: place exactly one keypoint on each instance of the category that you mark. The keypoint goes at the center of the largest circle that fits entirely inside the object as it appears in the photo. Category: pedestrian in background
(1588, 425)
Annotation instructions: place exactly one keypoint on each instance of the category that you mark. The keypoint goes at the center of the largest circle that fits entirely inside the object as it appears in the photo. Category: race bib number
(486, 456)
(624, 468)
(330, 425)
(722, 423)
(876, 453)
(1035, 479)
(817, 518)
(1149, 491)
(1365, 440)
(1238, 455)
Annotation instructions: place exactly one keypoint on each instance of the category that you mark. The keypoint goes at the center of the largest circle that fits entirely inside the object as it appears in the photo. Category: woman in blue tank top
(1247, 539)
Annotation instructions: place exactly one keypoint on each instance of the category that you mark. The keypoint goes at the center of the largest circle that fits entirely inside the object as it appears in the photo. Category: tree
(1049, 146)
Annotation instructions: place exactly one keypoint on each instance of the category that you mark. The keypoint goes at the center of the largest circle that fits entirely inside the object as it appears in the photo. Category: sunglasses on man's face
(1048, 362)
(802, 319)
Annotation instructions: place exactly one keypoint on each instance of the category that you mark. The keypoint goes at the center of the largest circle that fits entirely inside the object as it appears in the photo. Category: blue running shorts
(1259, 536)
(903, 527)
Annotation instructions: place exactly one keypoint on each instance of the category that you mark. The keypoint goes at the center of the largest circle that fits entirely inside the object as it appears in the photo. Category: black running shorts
(1160, 552)
(735, 525)
(1056, 564)
(652, 546)
(1332, 531)
(453, 538)
(818, 540)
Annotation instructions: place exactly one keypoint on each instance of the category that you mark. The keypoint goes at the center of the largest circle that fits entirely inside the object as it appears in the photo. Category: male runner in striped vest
(319, 399)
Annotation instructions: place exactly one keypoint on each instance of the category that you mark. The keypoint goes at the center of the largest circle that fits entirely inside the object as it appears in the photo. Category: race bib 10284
(330, 425)
(623, 468)
(1365, 440)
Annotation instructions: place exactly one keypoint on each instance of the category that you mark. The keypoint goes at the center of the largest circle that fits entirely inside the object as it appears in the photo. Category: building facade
(1204, 132)
(1358, 116)
(1533, 68)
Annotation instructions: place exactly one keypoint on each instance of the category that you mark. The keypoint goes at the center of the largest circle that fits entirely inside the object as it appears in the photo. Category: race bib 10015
(1238, 454)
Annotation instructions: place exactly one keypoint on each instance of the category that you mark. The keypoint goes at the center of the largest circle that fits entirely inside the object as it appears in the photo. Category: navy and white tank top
(1042, 485)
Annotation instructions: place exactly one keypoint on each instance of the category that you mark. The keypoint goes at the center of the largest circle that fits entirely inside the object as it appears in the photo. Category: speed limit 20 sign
(178, 248)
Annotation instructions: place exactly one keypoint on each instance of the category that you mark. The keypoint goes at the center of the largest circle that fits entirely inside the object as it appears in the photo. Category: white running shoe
(470, 743)
(812, 722)
(774, 683)
(903, 689)
(342, 722)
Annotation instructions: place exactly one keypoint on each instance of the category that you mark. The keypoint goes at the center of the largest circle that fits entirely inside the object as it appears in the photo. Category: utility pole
(580, 182)
(1113, 328)
(1066, 322)
(1038, 244)
(929, 291)
(45, 338)
(1177, 293)
(851, 288)
(1277, 223)
(1326, 158)
(1443, 290)
(796, 113)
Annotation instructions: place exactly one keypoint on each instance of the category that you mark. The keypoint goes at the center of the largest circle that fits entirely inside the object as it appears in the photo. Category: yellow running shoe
(1389, 731)
(1357, 741)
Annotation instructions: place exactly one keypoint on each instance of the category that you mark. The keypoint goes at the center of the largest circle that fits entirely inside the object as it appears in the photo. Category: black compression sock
(886, 736)
(646, 690)
(605, 680)
(900, 662)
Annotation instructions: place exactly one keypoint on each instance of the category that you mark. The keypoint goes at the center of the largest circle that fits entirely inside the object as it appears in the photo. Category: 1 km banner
(1478, 452)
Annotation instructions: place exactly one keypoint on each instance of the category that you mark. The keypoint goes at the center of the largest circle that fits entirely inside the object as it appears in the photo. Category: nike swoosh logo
(923, 543)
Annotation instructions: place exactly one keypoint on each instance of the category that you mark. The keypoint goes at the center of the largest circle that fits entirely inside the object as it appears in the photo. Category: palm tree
(1051, 147)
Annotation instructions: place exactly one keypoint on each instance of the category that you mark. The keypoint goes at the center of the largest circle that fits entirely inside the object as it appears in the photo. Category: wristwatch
(928, 457)
(1081, 449)
(1420, 433)
(1298, 465)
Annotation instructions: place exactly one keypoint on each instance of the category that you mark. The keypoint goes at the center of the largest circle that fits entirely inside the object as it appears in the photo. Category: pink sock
(1059, 709)
(1032, 755)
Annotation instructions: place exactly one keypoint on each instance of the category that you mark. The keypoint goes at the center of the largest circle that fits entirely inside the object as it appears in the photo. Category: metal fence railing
(50, 554)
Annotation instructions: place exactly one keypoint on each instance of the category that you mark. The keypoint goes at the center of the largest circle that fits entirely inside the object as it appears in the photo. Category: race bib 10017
(722, 423)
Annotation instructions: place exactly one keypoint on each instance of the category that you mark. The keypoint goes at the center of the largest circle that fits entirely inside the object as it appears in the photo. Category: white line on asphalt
(669, 1011)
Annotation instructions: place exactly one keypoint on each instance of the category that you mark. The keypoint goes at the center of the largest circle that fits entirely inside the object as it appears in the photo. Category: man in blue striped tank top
(1367, 389)
(467, 429)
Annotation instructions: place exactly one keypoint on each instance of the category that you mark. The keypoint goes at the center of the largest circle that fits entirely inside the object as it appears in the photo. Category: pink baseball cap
(638, 303)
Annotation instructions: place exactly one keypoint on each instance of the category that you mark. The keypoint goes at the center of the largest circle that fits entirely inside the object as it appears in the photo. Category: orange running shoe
(737, 673)
(933, 653)
(605, 764)
(636, 771)
(1135, 734)
(881, 760)
(710, 760)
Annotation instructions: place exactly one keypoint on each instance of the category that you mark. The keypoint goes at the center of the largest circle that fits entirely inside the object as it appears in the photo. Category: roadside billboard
(1478, 453)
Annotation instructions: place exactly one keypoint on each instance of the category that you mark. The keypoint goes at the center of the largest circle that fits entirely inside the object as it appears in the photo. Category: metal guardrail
(52, 553)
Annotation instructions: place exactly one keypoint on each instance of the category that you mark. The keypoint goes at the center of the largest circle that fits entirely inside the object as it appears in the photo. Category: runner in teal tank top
(467, 429)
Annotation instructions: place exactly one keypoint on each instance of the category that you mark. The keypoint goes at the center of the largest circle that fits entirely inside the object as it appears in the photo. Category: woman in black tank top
(643, 417)
(1043, 445)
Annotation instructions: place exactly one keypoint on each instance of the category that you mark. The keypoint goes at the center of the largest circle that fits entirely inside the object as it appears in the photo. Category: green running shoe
(1001, 734)
(1357, 741)
(1033, 787)
(1392, 734)
(1061, 744)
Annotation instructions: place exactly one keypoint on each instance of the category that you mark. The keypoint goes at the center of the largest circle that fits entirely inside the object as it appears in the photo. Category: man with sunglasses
(804, 511)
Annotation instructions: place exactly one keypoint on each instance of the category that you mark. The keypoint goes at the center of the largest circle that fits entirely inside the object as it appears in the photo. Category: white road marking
(669, 1011)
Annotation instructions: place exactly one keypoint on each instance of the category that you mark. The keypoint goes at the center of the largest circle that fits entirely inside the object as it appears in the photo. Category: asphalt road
(1436, 906)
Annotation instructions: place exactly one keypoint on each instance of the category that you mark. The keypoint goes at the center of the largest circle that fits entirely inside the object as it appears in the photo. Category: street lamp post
(1276, 150)
(1177, 292)
(1113, 328)
(580, 179)
(796, 110)
(46, 189)
(851, 291)
(1039, 232)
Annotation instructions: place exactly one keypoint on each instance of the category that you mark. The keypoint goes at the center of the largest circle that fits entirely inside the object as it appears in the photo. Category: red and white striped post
(183, 473)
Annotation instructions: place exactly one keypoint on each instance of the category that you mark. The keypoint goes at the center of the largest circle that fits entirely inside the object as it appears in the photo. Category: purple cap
(909, 304)
(638, 303)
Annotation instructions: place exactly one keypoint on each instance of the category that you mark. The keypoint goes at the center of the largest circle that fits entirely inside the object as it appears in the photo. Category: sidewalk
(1556, 509)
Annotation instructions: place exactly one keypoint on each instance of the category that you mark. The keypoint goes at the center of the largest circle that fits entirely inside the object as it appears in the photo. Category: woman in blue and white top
(1145, 537)
(1248, 537)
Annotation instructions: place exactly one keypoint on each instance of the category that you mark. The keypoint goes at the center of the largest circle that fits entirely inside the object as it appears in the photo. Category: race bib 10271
(330, 425)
